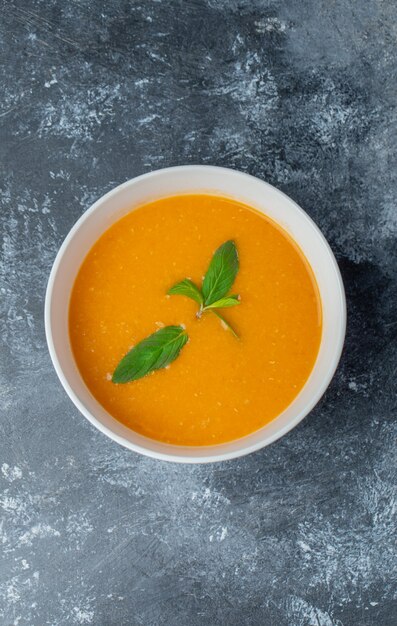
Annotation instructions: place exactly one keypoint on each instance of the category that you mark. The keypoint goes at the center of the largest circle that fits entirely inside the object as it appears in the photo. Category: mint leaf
(150, 354)
(225, 323)
(225, 302)
(221, 273)
(187, 288)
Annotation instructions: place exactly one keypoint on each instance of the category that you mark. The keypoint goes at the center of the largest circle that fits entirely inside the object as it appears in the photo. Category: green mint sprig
(217, 282)
(162, 347)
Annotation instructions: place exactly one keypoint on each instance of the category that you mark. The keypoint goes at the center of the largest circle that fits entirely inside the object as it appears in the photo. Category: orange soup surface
(219, 388)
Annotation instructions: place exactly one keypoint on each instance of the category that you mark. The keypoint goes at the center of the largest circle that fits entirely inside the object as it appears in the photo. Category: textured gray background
(301, 94)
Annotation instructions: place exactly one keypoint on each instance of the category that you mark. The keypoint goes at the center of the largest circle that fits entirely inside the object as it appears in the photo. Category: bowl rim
(217, 456)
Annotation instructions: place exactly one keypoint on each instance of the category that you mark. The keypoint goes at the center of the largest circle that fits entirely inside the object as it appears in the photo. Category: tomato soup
(219, 388)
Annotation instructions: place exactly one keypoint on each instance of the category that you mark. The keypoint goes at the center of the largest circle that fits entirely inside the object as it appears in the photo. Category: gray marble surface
(303, 95)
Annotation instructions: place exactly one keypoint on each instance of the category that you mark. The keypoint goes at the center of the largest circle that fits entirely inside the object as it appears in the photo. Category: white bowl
(167, 182)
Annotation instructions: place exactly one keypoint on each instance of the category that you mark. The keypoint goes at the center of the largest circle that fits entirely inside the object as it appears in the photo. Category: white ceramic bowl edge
(200, 179)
